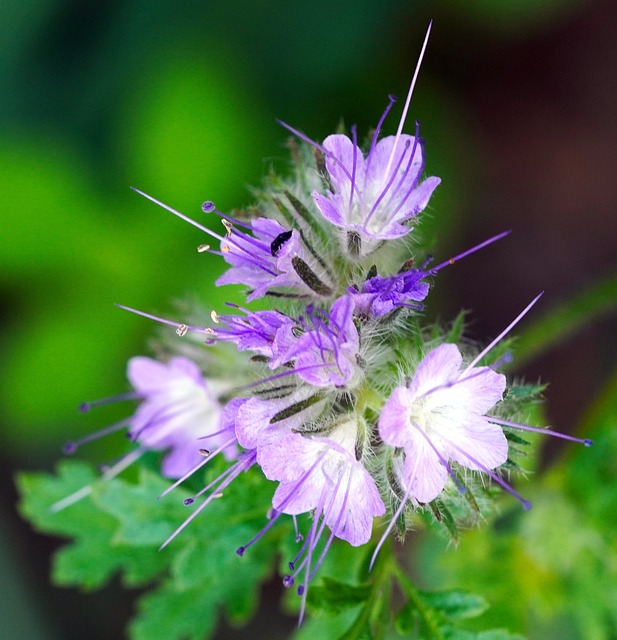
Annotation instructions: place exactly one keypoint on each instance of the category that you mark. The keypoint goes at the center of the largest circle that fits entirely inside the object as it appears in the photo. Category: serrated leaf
(94, 556)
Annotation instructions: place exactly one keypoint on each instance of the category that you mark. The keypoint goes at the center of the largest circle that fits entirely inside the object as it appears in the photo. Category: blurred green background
(518, 105)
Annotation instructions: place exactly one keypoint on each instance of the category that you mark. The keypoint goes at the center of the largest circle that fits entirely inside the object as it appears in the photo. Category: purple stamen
(170, 323)
(391, 101)
(241, 465)
(321, 148)
(549, 432)
(413, 185)
(284, 374)
(228, 241)
(354, 139)
(280, 508)
(336, 524)
(500, 481)
(514, 322)
(404, 176)
(382, 195)
(468, 252)
(70, 447)
(84, 407)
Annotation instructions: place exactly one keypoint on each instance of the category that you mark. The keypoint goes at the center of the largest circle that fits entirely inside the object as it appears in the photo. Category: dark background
(518, 105)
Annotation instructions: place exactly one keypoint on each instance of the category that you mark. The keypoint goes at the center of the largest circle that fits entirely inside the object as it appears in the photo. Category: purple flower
(264, 332)
(326, 352)
(441, 416)
(271, 258)
(261, 420)
(178, 408)
(377, 196)
(337, 481)
(379, 296)
(319, 474)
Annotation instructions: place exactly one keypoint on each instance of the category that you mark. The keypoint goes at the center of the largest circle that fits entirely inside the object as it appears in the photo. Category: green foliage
(119, 528)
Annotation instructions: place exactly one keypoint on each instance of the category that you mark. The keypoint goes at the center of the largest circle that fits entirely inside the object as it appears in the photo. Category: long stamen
(211, 233)
(548, 432)
(452, 383)
(391, 101)
(354, 140)
(72, 446)
(408, 100)
(385, 190)
(284, 374)
(279, 508)
(468, 252)
(503, 333)
(397, 513)
(414, 184)
(335, 527)
(180, 327)
(109, 473)
(188, 474)
(242, 465)
(303, 589)
(500, 481)
(321, 148)
(84, 407)
(217, 481)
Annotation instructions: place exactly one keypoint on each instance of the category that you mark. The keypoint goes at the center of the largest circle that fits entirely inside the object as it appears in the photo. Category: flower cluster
(338, 392)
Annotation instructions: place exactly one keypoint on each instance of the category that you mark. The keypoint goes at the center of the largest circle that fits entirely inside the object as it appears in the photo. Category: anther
(203, 247)
(240, 551)
(228, 226)
(188, 501)
(208, 207)
(288, 582)
(204, 452)
(69, 448)
(215, 316)
(182, 330)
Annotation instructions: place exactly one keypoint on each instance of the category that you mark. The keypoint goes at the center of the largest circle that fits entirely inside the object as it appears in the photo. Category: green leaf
(334, 597)
(95, 555)
(119, 527)
(455, 604)
(170, 614)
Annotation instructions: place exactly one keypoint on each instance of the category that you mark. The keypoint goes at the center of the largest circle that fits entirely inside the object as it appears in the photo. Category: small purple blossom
(379, 296)
(326, 352)
(264, 332)
(271, 258)
(320, 474)
(178, 408)
(375, 197)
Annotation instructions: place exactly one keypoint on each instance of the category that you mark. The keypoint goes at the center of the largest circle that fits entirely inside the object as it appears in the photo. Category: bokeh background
(518, 105)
